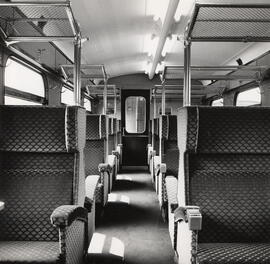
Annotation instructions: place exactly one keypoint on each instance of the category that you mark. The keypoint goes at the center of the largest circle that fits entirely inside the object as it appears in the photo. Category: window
(135, 111)
(217, 102)
(249, 97)
(87, 104)
(23, 85)
(67, 96)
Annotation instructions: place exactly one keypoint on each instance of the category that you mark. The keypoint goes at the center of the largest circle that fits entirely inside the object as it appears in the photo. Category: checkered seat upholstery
(155, 159)
(95, 151)
(118, 144)
(225, 171)
(42, 185)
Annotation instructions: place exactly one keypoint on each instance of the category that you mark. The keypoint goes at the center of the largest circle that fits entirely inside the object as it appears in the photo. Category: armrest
(116, 154)
(190, 215)
(2, 205)
(104, 167)
(111, 160)
(162, 167)
(91, 183)
(171, 187)
(65, 215)
(152, 153)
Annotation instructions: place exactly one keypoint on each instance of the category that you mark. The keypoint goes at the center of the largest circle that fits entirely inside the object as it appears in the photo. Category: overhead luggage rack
(88, 71)
(229, 21)
(37, 21)
(214, 72)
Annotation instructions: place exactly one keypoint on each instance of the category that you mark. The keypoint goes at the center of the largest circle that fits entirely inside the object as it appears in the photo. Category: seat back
(168, 143)
(111, 140)
(119, 133)
(41, 168)
(95, 147)
(156, 135)
(150, 132)
(225, 161)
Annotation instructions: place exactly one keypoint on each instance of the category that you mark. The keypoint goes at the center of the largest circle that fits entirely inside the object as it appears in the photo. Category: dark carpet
(134, 217)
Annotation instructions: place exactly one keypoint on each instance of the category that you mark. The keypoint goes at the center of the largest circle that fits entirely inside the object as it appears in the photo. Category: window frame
(22, 95)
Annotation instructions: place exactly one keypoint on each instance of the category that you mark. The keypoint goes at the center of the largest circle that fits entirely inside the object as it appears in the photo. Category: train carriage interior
(135, 132)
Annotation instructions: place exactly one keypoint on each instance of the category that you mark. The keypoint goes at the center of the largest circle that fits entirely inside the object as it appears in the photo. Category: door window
(135, 111)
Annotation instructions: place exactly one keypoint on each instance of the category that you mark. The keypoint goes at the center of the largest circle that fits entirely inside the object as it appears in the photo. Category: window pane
(135, 109)
(249, 97)
(16, 101)
(87, 104)
(218, 102)
(22, 78)
(67, 96)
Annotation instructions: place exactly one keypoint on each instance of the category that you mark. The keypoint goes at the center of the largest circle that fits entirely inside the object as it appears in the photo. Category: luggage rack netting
(227, 21)
(37, 19)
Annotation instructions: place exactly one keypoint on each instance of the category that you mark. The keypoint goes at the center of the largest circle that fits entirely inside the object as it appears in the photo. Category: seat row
(212, 178)
(53, 173)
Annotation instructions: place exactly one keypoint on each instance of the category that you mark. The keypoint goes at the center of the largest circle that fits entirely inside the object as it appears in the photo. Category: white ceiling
(118, 30)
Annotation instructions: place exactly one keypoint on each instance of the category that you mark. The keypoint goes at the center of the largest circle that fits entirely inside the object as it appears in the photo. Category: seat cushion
(234, 253)
(29, 252)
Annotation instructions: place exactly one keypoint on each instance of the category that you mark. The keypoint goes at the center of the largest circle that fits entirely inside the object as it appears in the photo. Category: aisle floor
(133, 216)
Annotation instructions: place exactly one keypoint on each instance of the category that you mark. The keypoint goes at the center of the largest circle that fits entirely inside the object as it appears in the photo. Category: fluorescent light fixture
(178, 12)
(171, 39)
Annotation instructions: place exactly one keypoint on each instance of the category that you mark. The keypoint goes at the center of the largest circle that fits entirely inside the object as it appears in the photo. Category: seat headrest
(168, 127)
(95, 127)
(224, 129)
(42, 129)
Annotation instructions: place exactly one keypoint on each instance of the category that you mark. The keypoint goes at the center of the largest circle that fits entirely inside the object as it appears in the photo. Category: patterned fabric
(30, 197)
(75, 128)
(164, 126)
(217, 129)
(94, 155)
(226, 169)
(74, 242)
(229, 162)
(33, 174)
(41, 129)
(188, 118)
(234, 253)
(171, 186)
(65, 215)
(213, 130)
(92, 127)
(232, 211)
(172, 133)
(36, 129)
(102, 126)
(29, 252)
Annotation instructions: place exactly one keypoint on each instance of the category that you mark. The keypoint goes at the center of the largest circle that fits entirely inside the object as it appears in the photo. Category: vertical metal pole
(187, 74)
(163, 100)
(155, 104)
(115, 101)
(105, 97)
(77, 71)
